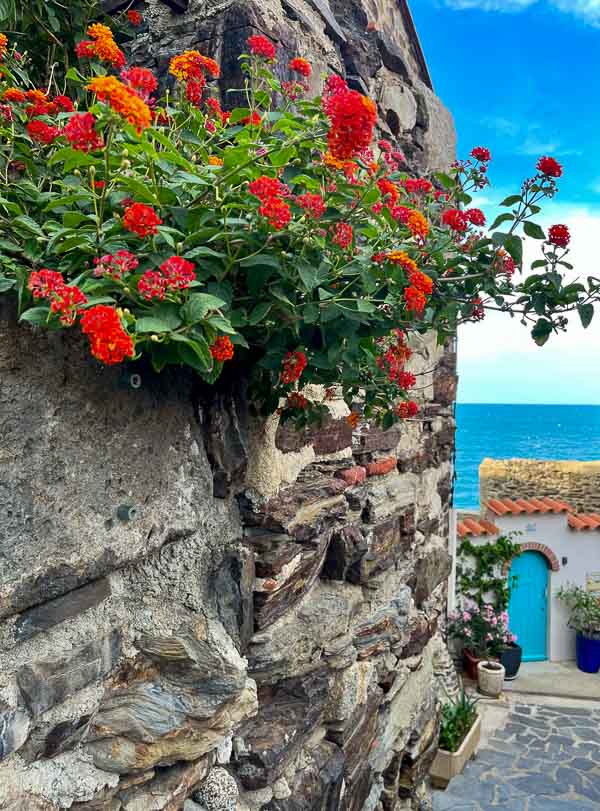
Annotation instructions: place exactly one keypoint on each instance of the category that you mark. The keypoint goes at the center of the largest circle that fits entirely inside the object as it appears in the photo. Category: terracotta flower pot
(450, 764)
(490, 678)
(470, 662)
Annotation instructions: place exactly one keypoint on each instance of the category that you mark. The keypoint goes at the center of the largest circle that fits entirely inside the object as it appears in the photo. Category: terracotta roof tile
(582, 522)
(508, 506)
(474, 525)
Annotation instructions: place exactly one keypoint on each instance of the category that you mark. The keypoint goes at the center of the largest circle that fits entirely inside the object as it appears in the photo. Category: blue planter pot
(588, 654)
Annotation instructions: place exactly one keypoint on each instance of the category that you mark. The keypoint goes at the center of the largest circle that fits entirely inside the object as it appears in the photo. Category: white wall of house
(582, 551)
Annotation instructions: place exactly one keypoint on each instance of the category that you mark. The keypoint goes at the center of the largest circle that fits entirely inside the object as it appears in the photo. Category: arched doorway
(528, 605)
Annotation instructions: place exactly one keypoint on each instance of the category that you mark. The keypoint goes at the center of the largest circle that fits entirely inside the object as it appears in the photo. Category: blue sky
(520, 77)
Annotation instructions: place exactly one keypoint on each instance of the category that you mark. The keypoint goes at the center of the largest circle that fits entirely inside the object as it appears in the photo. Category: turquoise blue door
(528, 606)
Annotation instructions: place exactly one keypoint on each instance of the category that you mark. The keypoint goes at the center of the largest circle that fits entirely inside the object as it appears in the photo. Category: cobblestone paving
(544, 759)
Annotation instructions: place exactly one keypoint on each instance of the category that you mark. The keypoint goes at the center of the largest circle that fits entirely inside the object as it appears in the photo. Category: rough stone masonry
(203, 612)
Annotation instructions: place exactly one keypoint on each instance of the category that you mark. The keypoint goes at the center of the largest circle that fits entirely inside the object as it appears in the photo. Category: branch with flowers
(276, 238)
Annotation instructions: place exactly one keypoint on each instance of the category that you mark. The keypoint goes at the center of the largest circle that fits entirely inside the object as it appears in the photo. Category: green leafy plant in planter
(457, 718)
(276, 238)
(584, 618)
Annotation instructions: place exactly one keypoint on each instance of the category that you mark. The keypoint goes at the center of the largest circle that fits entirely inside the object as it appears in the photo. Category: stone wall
(202, 612)
(577, 483)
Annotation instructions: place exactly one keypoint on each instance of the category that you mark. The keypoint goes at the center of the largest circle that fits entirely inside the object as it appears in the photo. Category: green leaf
(199, 305)
(203, 250)
(282, 156)
(150, 324)
(514, 245)
(28, 224)
(506, 217)
(586, 313)
(259, 313)
(72, 158)
(533, 230)
(261, 260)
(36, 315)
(541, 331)
(195, 353)
(512, 200)
(6, 284)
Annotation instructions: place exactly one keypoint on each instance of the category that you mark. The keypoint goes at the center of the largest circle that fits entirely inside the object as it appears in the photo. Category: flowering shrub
(276, 236)
(483, 631)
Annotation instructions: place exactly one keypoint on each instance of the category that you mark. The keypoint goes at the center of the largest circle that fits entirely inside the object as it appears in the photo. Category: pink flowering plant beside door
(279, 240)
(482, 631)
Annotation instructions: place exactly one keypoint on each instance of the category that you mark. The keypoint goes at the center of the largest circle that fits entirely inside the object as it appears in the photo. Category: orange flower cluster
(418, 225)
(415, 295)
(102, 46)
(3, 46)
(123, 100)
(222, 349)
(402, 259)
(109, 341)
(213, 160)
(193, 65)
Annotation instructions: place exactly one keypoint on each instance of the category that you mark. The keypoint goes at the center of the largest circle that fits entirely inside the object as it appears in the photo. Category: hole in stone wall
(393, 121)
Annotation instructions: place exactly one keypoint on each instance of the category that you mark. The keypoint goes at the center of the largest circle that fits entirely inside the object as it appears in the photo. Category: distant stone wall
(203, 612)
(577, 483)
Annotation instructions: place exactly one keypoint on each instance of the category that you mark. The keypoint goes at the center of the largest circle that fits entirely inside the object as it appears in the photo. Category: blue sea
(520, 431)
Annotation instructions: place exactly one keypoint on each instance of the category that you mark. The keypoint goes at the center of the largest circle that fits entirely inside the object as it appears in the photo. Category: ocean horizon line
(538, 405)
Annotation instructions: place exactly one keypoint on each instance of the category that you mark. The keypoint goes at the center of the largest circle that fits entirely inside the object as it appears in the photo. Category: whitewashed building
(558, 546)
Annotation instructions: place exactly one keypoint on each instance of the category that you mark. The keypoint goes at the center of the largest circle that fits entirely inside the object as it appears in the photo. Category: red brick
(382, 466)
(353, 475)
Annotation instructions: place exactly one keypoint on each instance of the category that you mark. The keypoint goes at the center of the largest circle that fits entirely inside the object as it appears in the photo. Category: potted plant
(459, 738)
(490, 678)
(584, 618)
(510, 654)
(483, 633)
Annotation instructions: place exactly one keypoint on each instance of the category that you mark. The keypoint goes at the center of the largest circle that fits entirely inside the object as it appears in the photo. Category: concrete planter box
(450, 764)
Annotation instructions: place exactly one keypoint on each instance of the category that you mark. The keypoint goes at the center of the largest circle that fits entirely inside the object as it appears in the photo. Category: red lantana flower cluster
(313, 204)
(482, 154)
(559, 235)
(109, 342)
(270, 191)
(141, 219)
(394, 359)
(65, 299)
(174, 274)
(141, 80)
(115, 265)
(80, 132)
(406, 409)
(455, 219)
(222, 349)
(293, 365)
(261, 46)
(343, 235)
(301, 66)
(41, 132)
(549, 167)
(352, 116)
(134, 17)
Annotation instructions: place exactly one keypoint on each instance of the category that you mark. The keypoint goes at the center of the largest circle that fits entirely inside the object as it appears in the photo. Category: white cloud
(491, 5)
(498, 360)
(587, 10)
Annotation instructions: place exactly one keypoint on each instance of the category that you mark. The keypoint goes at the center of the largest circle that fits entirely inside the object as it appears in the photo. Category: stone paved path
(544, 759)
